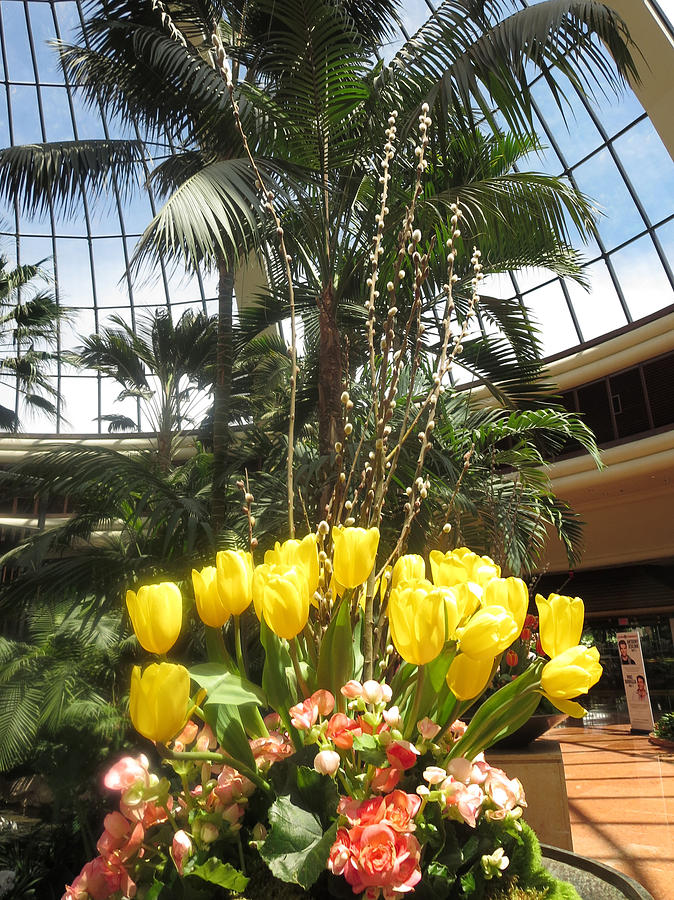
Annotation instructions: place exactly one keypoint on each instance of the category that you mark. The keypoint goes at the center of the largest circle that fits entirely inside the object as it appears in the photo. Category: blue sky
(640, 273)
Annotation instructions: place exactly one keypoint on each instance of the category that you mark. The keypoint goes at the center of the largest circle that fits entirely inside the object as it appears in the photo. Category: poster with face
(634, 679)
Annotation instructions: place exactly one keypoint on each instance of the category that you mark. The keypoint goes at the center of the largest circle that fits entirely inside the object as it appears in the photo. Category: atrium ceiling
(610, 150)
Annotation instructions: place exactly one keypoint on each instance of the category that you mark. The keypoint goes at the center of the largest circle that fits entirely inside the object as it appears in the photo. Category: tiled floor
(621, 802)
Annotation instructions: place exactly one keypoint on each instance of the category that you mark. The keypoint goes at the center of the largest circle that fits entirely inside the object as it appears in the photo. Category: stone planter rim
(631, 888)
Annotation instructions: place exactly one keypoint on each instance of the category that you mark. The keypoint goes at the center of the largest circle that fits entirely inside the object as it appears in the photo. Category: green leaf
(318, 792)
(468, 883)
(154, 890)
(336, 663)
(277, 681)
(438, 668)
(226, 724)
(224, 686)
(296, 849)
(222, 874)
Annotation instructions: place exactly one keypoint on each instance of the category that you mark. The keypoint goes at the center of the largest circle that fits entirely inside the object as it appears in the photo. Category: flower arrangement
(345, 769)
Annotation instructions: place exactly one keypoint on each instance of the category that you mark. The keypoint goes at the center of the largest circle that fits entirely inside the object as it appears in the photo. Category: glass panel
(82, 325)
(19, 57)
(629, 404)
(4, 120)
(80, 393)
(600, 179)
(642, 278)
(42, 26)
(74, 272)
(550, 310)
(598, 311)
(57, 119)
(649, 167)
(110, 267)
(574, 131)
(616, 113)
(110, 390)
(593, 403)
(25, 115)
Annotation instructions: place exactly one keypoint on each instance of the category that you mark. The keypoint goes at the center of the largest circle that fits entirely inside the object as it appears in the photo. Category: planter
(533, 728)
(592, 880)
(661, 742)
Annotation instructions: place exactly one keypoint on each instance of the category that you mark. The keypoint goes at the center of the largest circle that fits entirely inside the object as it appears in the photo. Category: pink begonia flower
(379, 858)
(386, 692)
(232, 815)
(303, 715)
(372, 692)
(327, 762)
(392, 717)
(402, 754)
(181, 849)
(507, 793)
(232, 786)
(434, 775)
(366, 812)
(119, 842)
(271, 749)
(468, 800)
(324, 700)
(209, 832)
(457, 728)
(186, 736)
(461, 768)
(352, 690)
(206, 739)
(341, 731)
(479, 772)
(385, 779)
(401, 808)
(97, 881)
(147, 814)
(272, 720)
(340, 852)
(428, 729)
(127, 772)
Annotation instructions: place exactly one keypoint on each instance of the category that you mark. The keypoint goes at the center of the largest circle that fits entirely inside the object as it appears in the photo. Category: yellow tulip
(487, 633)
(212, 611)
(560, 622)
(156, 615)
(511, 594)
(461, 565)
(158, 700)
(302, 553)
(355, 553)
(235, 579)
(281, 598)
(416, 616)
(571, 673)
(468, 677)
(409, 568)
(467, 597)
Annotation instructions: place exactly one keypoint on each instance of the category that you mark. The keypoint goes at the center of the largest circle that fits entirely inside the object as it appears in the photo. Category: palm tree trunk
(330, 427)
(222, 393)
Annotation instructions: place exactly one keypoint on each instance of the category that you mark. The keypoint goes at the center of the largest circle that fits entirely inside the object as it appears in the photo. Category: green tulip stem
(414, 711)
(207, 756)
(301, 683)
(237, 646)
(451, 719)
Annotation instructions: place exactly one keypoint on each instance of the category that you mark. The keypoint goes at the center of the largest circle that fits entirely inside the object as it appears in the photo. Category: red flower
(526, 635)
(401, 808)
(380, 858)
(512, 658)
(385, 779)
(402, 754)
(341, 730)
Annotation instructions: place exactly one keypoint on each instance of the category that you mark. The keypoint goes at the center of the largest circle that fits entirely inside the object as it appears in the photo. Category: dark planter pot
(592, 880)
(533, 728)
(663, 743)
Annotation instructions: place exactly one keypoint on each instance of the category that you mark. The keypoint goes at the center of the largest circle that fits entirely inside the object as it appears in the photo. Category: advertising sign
(634, 679)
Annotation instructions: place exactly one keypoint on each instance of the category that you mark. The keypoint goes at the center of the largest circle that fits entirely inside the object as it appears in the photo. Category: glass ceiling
(608, 150)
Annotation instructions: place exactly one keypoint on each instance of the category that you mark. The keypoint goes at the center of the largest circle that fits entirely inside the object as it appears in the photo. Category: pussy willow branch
(222, 64)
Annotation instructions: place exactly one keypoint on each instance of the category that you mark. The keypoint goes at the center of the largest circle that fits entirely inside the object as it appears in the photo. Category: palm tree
(314, 107)
(29, 319)
(166, 367)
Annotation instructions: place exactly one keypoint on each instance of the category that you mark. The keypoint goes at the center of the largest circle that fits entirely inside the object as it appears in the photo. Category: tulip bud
(409, 568)
(281, 597)
(234, 579)
(510, 593)
(158, 700)
(212, 611)
(561, 622)
(354, 555)
(571, 673)
(301, 554)
(468, 677)
(460, 566)
(417, 621)
(489, 632)
(327, 762)
(156, 615)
